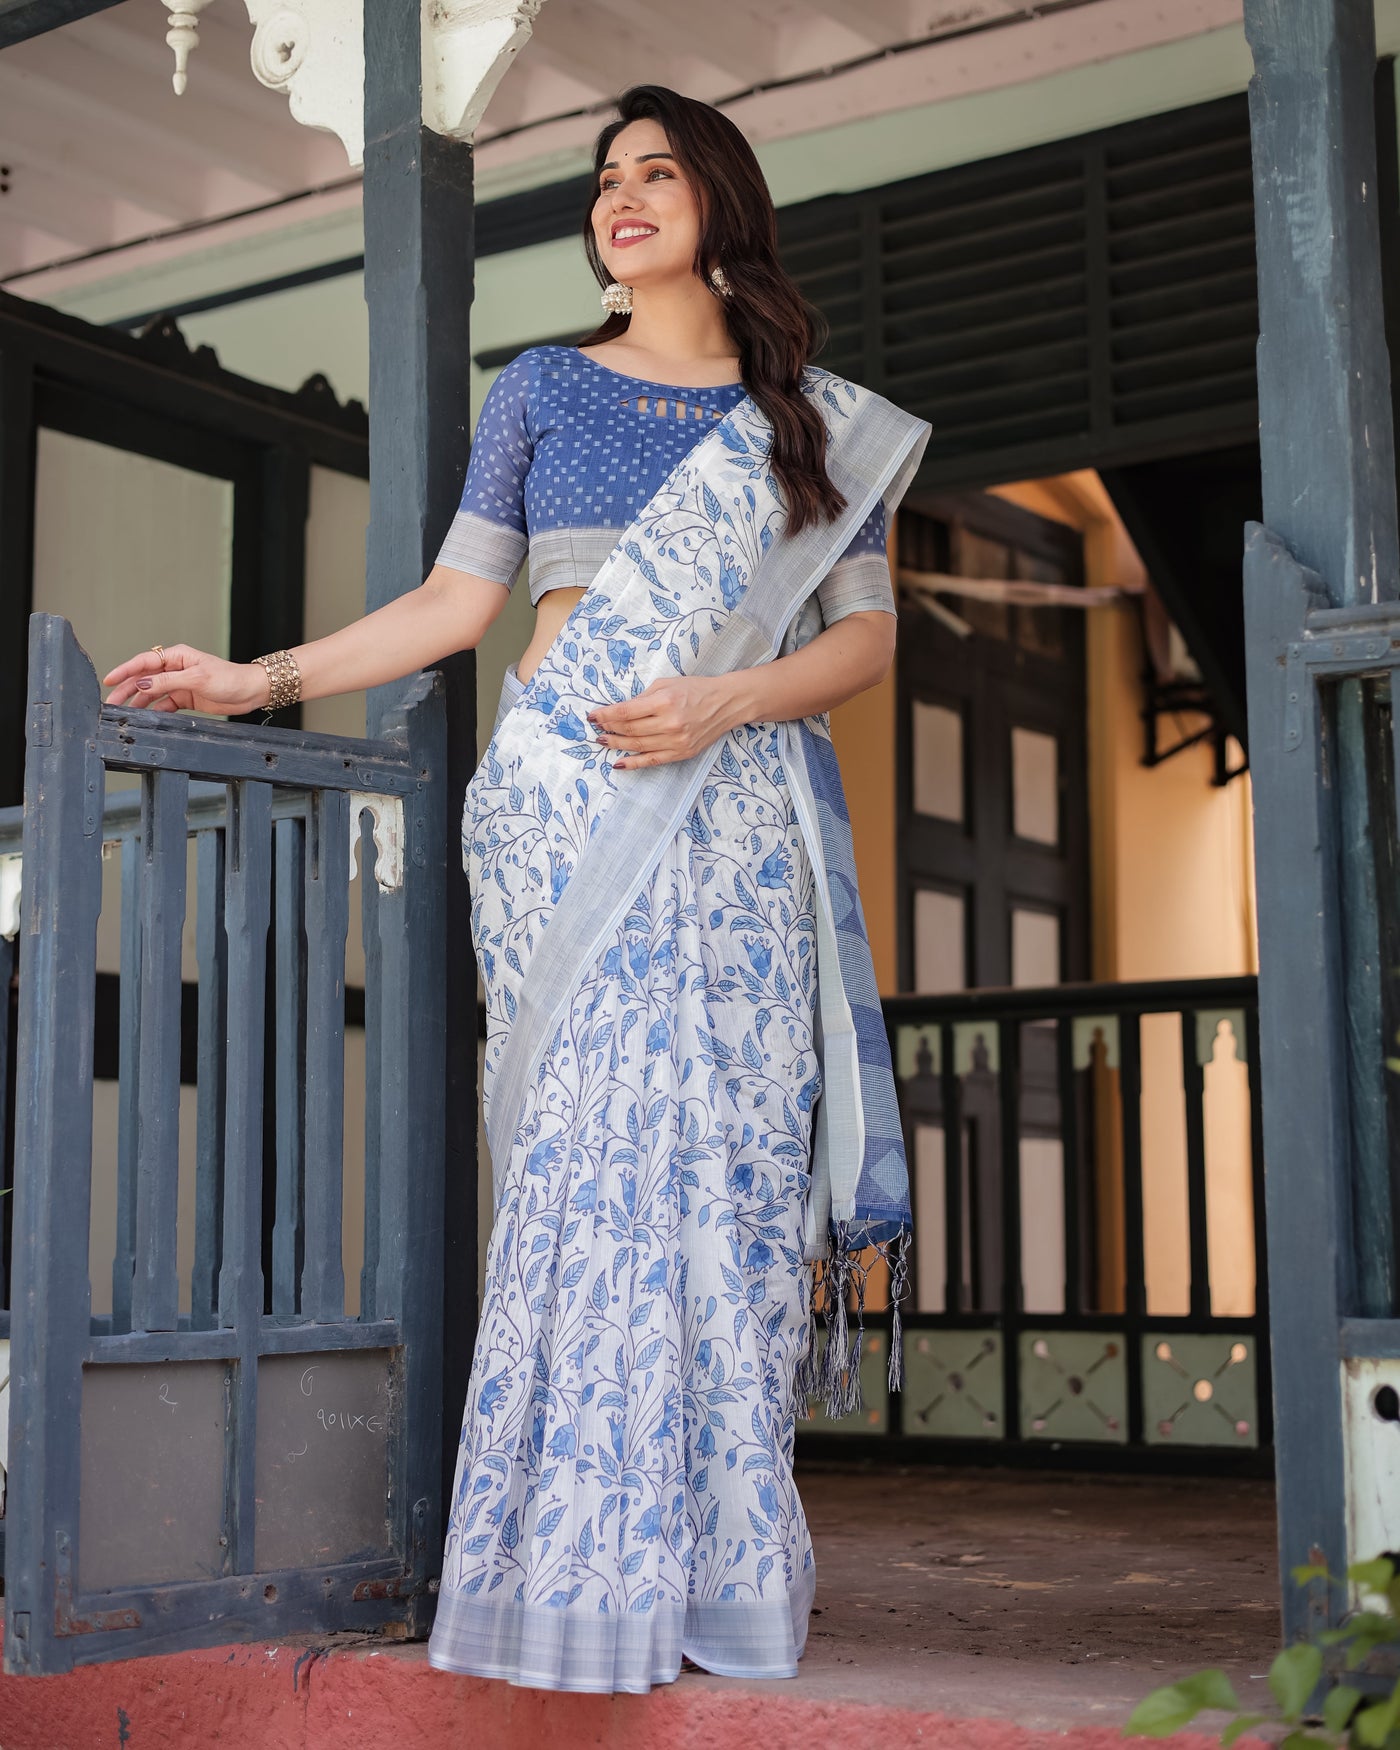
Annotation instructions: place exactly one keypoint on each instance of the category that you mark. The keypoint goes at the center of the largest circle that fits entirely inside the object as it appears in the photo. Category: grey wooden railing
(1032, 1331)
(260, 1461)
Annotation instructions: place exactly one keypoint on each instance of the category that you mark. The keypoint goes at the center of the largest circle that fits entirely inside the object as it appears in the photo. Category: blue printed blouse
(568, 451)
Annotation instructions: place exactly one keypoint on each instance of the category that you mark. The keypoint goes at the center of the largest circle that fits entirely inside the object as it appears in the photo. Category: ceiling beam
(607, 62)
(123, 169)
(881, 23)
(22, 19)
(67, 206)
(71, 77)
(26, 247)
(744, 48)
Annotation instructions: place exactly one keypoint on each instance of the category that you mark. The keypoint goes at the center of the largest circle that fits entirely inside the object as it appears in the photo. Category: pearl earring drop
(617, 298)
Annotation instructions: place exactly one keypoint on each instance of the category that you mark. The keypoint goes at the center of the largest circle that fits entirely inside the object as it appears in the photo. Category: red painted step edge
(290, 1697)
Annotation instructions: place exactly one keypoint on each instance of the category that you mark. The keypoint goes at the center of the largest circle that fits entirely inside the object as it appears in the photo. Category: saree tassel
(807, 1382)
(898, 1260)
(837, 1364)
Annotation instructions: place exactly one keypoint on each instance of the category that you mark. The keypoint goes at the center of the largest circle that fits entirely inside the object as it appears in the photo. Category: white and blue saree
(688, 1098)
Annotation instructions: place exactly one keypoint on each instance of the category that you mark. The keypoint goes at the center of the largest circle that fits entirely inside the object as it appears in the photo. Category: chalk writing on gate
(347, 1419)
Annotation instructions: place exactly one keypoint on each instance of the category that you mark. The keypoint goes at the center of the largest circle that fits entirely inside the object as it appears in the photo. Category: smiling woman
(687, 1087)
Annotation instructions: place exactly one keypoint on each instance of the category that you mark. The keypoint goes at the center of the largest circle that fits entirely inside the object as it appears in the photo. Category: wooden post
(17, 485)
(418, 286)
(53, 1129)
(1329, 541)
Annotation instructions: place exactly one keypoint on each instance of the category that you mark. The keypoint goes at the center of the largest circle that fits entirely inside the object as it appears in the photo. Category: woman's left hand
(672, 719)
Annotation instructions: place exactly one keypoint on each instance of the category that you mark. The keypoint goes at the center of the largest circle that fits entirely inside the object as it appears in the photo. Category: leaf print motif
(633, 1405)
(548, 1523)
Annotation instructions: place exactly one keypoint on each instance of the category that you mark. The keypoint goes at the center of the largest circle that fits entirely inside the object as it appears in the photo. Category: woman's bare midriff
(551, 611)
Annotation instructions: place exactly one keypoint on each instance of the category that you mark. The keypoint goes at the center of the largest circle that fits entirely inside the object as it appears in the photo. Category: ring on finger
(159, 651)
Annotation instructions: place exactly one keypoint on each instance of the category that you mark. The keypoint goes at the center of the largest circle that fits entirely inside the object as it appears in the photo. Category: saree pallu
(685, 1103)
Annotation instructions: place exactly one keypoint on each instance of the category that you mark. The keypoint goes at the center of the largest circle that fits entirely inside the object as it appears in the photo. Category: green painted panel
(918, 1051)
(874, 1418)
(1200, 1390)
(954, 1385)
(1074, 1386)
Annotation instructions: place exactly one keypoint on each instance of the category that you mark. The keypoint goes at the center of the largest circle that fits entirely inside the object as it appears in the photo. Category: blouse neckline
(691, 389)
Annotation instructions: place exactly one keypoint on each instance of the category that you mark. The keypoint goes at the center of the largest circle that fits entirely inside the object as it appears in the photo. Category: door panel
(994, 879)
(993, 781)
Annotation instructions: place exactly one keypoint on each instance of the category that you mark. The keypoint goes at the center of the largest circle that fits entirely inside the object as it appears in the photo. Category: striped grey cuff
(855, 585)
(484, 548)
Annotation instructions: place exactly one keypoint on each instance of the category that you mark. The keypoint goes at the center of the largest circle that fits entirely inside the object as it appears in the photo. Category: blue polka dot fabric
(568, 451)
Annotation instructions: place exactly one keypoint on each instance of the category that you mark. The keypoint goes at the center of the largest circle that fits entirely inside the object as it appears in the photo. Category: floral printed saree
(689, 1101)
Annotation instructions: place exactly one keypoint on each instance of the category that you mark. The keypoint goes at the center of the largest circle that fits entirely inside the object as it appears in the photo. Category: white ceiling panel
(97, 151)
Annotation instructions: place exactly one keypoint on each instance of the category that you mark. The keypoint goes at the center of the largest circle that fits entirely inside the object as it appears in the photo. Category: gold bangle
(283, 678)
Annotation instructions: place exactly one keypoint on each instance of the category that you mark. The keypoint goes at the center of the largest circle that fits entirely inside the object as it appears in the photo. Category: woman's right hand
(189, 680)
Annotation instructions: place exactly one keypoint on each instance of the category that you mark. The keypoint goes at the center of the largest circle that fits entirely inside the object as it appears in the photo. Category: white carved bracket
(313, 52)
(10, 866)
(387, 815)
(468, 46)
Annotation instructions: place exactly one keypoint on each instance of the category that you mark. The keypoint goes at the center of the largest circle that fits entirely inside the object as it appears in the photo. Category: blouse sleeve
(860, 578)
(488, 536)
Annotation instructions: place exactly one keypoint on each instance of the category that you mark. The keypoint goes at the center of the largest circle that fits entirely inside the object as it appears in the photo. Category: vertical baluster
(1193, 1079)
(954, 1298)
(211, 950)
(327, 924)
(155, 1297)
(1069, 1147)
(128, 1092)
(1263, 1342)
(289, 996)
(374, 1070)
(247, 877)
(1134, 1261)
(7, 970)
(396, 1066)
(1013, 1288)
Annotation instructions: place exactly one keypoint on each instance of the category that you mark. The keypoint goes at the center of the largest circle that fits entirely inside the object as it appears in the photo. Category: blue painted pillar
(1328, 548)
(418, 287)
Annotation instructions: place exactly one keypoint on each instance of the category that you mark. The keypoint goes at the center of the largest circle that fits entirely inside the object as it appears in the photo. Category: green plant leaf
(1374, 1724)
(1208, 1689)
(1163, 1712)
(1293, 1677)
(1366, 1631)
(1374, 1576)
(1238, 1728)
(1302, 1740)
(1310, 1571)
(1339, 1707)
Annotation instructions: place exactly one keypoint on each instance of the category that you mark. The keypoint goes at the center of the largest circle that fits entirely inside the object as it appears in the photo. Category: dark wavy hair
(775, 331)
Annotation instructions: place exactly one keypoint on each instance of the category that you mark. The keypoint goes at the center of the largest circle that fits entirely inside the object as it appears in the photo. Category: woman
(688, 1092)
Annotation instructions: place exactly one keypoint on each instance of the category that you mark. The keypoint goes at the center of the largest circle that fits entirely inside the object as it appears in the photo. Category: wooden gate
(229, 1454)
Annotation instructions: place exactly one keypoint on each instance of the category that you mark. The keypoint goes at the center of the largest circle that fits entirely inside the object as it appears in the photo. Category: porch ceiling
(97, 151)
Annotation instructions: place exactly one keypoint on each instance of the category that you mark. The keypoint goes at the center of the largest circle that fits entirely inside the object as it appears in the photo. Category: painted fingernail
(144, 681)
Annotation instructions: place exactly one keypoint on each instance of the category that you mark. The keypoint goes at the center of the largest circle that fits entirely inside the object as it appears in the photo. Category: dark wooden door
(994, 876)
(993, 864)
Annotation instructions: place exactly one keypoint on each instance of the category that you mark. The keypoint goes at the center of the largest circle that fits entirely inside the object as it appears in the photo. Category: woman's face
(646, 218)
